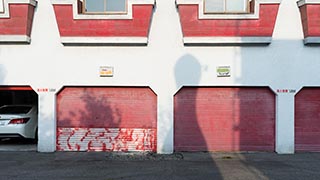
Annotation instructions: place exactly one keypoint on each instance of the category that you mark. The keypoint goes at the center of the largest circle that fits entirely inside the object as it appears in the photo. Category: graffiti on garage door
(106, 139)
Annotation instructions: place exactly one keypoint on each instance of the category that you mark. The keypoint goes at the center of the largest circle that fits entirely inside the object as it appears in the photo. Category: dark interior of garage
(8, 97)
(18, 96)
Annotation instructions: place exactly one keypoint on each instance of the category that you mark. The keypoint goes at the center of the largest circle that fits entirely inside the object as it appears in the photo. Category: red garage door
(224, 119)
(307, 120)
(106, 119)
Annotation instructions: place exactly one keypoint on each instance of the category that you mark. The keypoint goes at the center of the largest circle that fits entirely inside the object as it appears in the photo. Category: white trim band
(76, 15)
(226, 40)
(104, 40)
(4, 6)
(1, 6)
(311, 40)
(15, 39)
(304, 2)
(202, 15)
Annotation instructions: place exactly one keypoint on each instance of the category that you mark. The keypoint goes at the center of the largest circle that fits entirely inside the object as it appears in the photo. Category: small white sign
(1, 6)
(106, 71)
(223, 71)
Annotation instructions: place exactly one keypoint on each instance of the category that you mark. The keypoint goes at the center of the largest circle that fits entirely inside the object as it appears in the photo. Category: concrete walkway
(114, 166)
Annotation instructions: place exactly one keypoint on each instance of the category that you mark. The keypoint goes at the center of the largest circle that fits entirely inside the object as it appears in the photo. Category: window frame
(248, 8)
(105, 12)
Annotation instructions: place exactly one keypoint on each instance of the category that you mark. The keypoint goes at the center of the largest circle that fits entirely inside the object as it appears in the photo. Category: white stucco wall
(165, 65)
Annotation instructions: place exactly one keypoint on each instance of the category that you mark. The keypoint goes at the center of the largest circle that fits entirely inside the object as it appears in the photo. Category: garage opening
(224, 119)
(18, 118)
(307, 120)
(106, 119)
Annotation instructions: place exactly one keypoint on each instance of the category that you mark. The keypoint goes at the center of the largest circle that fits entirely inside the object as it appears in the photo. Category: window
(105, 6)
(227, 6)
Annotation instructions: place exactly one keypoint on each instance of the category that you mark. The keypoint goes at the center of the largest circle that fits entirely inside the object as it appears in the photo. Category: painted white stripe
(226, 40)
(304, 2)
(5, 12)
(32, 2)
(15, 38)
(311, 40)
(202, 15)
(104, 40)
(77, 15)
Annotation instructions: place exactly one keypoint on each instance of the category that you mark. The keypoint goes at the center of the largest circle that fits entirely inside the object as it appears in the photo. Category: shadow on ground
(17, 144)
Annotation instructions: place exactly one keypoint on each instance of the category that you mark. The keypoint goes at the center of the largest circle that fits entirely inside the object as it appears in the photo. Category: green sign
(223, 71)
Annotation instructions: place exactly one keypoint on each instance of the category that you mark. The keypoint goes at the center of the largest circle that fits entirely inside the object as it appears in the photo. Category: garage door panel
(307, 120)
(224, 119)
(110, 108)
(106, 119)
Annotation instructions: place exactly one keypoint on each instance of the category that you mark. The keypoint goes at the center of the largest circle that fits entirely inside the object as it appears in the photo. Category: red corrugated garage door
(224, 119)
(307, 120)
(106, 119)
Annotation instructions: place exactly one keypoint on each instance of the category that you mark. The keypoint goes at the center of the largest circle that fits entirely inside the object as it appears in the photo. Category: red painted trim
(20, 21)
(194, 27)
(136, 27)
(310, 17)
(15, 88)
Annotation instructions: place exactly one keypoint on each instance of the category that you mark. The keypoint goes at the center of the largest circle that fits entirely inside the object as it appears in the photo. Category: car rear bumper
(15, 131)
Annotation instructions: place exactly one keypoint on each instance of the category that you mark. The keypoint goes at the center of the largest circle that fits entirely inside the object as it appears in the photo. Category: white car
(19, 121)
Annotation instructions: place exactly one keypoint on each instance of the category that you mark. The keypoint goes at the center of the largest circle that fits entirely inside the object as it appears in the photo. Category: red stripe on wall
(192, 26)
(136, 27)
(15, 88)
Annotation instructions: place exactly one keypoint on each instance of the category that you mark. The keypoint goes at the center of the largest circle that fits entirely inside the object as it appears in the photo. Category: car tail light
(19, 121)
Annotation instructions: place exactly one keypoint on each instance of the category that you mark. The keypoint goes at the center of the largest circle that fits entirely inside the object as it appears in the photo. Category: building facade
(165, 76)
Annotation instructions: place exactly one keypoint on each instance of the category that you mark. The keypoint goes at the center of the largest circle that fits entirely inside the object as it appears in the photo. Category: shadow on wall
(228, 119)
(188, 135)
(187, 71)
(277, 65)
(95, 111)
(83, 114)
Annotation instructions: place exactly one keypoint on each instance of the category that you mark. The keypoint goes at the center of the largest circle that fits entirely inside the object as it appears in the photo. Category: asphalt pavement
(149, 166)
